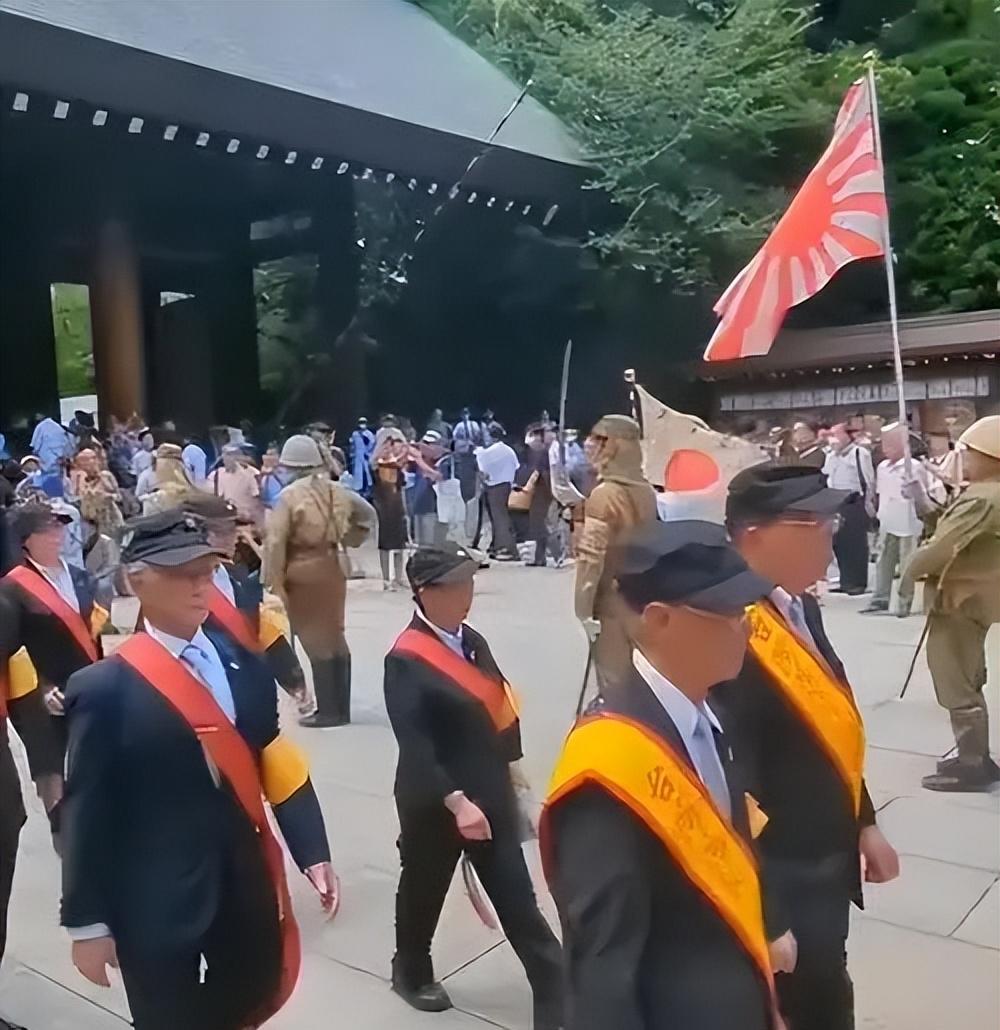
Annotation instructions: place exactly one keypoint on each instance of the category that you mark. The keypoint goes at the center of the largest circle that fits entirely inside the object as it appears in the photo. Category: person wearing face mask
(622, 500)
(800, 744)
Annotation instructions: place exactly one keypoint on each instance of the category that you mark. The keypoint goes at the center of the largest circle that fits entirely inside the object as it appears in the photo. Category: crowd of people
(729, 833)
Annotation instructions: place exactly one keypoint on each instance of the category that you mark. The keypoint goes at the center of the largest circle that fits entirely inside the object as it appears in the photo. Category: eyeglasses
(831, 522)
(732, 618)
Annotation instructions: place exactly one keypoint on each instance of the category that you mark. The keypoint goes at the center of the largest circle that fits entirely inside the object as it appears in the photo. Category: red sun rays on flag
(838, 216)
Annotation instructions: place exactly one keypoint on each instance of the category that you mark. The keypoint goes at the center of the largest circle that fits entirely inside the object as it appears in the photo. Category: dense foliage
(701, 116)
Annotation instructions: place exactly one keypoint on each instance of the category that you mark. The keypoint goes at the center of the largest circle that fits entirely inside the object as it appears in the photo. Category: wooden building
(156, 149)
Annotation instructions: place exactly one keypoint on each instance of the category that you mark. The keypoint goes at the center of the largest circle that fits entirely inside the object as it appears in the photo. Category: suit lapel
(814, 620)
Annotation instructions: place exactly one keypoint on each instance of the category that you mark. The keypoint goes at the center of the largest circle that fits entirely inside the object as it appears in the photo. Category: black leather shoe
(429, 998)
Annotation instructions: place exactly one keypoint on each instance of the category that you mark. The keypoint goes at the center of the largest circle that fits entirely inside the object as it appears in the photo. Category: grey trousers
(894, 553)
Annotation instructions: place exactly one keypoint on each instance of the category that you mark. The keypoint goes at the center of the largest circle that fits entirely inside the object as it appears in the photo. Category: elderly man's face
(230, 461)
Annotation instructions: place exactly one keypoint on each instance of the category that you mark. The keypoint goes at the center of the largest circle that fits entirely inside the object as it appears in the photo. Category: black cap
(35, 517)
(211, 508)
(767, 491)
(448, 563)
(169, 538)
(689, 563)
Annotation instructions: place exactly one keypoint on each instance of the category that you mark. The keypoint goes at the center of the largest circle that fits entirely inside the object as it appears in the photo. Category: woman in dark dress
(389, 460)
(541, 498)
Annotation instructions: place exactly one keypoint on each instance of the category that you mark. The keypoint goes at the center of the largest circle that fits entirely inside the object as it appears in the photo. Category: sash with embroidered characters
(812, 690)
(644, 772)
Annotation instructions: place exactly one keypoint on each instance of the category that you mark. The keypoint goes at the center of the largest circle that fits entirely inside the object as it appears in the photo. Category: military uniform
(312, 522)
(621, 500)
(960, 565)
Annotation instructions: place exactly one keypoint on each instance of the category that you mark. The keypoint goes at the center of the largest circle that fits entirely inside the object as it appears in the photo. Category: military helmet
(983, 436)
(618, 427)
(301, 452)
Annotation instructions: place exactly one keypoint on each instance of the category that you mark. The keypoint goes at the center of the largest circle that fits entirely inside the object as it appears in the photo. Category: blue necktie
(706, 760)
(213, 675)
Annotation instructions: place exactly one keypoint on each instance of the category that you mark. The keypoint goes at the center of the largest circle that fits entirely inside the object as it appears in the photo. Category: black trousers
(10, 833)
(429, 849)
(850, 545)
(812, 999)
(242, 956)
(503, 529)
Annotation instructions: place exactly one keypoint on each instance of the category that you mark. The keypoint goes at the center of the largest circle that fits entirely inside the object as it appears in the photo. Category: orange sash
(817, 696)
(495, 697)
(235, 761)
(644, 772)
(35, 584)
(233, 621)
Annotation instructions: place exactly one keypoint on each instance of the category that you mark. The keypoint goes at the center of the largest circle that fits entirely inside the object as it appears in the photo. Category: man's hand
(327, 885)
(469, 818)
(784, 953)
(93, 957)
(54, 701)
(879, 861)
(592, 627)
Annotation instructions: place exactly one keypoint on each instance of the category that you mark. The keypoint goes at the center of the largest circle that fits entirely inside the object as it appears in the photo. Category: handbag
(520, 500)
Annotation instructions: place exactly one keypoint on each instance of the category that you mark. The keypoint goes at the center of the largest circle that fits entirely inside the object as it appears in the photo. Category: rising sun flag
(838, 216)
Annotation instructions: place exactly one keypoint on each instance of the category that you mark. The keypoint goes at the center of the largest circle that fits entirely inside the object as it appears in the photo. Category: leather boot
(342, 689)
(325, 688)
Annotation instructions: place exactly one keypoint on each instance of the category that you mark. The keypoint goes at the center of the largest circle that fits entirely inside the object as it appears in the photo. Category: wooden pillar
(116, 316)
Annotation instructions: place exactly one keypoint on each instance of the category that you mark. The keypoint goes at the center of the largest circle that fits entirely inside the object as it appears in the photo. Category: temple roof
(374, 81)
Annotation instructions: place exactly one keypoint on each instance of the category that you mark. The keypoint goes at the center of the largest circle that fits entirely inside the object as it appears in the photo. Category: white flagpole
(890, 279)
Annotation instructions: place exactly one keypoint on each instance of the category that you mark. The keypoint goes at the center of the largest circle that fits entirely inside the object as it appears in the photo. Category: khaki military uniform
(961, 567)
(621, 500)
(312, 522)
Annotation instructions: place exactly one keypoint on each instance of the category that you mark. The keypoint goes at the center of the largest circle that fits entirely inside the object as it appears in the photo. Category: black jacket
(447, 741)
(30, 718)
(53, 650)
(644, 949)
(811, 838)
(150, 843)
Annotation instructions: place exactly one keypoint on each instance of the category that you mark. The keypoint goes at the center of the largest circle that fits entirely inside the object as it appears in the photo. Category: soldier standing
(961, 565)
(313, 521)
(621, 500)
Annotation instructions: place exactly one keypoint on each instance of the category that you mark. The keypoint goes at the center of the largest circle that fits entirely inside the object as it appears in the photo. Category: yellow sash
(643, 772)
(814, 692)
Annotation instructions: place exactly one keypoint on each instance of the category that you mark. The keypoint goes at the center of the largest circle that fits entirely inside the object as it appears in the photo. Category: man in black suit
(21, 704)
(458, 733)
(804, 764)
(51, 605)
(645, 829)
(168, 860)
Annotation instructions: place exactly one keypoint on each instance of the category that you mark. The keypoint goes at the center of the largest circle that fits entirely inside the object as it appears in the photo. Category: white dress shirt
(220, 577)
(450, 640)
(686, 716)
(498, 463)
(845, 469)
(211, 671)
(60, 578)
(794, 615)
(898, 514)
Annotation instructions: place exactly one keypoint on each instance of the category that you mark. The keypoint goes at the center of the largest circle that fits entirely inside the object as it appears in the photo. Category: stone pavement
(925, 955)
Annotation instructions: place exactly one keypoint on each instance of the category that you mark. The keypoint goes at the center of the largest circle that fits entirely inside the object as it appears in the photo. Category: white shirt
(141, 460)
(841, 469)
(897, 514)
(498, 463)
(220, 577)
(683, 712)
(450, 640)
(61, 579)
(219, 684)
(196, 462)
(146, 483)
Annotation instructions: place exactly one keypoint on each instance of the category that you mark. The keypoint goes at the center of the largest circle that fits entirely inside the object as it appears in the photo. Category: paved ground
(925, 955)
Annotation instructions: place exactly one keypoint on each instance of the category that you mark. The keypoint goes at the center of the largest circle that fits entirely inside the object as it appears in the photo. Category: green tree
(74, 346)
